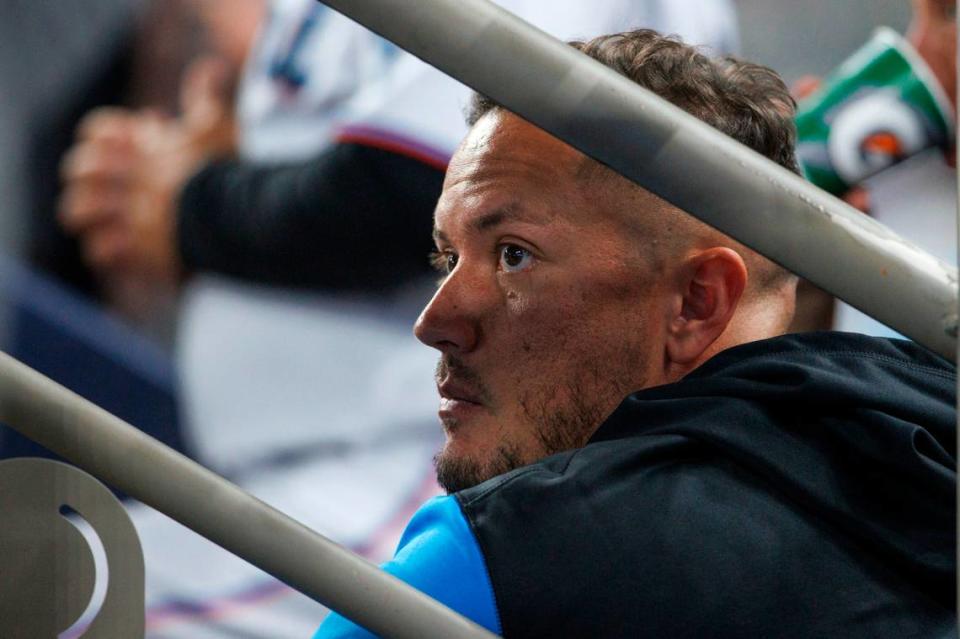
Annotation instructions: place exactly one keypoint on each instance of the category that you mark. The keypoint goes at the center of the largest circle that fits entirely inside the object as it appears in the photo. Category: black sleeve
(354, 217)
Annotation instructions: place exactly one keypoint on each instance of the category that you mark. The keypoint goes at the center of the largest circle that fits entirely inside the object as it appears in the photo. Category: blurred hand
(933, 33)
(125, 172)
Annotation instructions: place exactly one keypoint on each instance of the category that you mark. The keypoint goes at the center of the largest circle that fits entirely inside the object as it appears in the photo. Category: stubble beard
(561, 417)
(458, 473)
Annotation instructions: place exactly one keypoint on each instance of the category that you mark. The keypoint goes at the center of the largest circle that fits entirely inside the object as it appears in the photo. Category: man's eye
(514, 258)
(443, 261)
(451, 261)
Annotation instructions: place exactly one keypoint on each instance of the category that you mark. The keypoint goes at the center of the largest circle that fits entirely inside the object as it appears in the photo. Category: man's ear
(711, 283)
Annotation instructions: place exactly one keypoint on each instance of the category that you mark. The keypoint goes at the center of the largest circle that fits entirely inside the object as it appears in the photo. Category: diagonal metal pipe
(678, 157)
(125, 458)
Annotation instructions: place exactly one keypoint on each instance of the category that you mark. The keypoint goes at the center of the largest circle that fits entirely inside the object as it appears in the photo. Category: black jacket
(801, 486)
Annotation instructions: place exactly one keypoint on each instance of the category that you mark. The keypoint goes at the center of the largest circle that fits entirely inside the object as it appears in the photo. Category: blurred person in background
(104, 338)
(318, 401)
(140, 66)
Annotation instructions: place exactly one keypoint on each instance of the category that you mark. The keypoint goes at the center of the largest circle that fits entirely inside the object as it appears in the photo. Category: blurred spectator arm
(354, 217)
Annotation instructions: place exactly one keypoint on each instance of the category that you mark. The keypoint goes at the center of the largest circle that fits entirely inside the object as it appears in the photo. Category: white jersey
(316, 77)
(308, 64)
(323, 407)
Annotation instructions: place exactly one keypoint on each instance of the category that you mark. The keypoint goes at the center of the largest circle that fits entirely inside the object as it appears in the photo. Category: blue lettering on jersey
(389, 49)
(286, 66)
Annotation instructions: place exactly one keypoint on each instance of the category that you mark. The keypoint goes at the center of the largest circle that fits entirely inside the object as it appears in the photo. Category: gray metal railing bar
(678, 157)
(125, 458)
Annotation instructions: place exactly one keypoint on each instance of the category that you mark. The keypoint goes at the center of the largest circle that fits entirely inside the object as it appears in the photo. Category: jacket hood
(859, 431)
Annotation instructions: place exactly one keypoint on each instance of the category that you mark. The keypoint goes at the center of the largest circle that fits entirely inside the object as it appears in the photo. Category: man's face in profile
(544, 316)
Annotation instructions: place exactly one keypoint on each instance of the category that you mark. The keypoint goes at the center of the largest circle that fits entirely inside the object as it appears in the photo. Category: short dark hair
(747, 101)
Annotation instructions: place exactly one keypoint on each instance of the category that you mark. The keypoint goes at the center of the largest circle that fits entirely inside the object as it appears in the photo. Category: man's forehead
(501, 143)
(508, 170)
(486, 218)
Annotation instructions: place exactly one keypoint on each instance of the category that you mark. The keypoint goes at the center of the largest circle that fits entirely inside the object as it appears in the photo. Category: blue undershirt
(439, 555)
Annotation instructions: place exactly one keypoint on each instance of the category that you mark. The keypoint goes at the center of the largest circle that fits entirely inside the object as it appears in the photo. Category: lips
(459, 405)
(453, 391)
(463, 396)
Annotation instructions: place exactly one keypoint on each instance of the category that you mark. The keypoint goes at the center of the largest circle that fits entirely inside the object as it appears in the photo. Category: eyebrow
(513, 211)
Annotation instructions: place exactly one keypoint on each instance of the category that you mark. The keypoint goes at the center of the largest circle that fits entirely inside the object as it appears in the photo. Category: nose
(448, 323)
